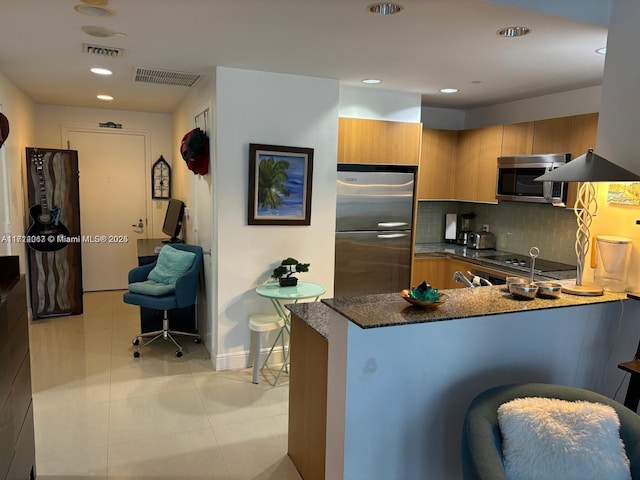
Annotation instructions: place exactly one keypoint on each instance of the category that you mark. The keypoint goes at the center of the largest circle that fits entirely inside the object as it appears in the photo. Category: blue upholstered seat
(186, 287)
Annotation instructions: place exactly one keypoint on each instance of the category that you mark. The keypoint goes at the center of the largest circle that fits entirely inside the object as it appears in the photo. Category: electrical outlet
(485, 227)
(186, 212)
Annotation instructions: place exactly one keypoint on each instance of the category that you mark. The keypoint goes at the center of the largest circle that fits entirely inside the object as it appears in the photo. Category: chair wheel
(135, 341)
(178, 353)
(197, 340)
(136, 354)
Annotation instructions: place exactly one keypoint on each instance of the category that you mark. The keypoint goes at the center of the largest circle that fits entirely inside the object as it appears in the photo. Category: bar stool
(259, 324)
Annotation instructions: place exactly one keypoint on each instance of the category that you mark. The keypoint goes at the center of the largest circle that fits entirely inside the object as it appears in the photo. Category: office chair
(170, 282)
(482, 455)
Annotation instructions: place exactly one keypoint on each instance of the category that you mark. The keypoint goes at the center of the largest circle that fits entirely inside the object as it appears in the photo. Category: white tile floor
(101, 414)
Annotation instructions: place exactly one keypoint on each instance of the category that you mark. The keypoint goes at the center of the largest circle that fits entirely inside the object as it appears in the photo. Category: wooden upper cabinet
(552, 135)
(490, 150)
(585, 131)
(435, 180)
(475, 164)
(517, 139)
(378, 141)
(466, 164)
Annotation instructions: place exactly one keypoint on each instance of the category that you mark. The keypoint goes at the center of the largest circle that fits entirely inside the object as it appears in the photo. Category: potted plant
(287, 268)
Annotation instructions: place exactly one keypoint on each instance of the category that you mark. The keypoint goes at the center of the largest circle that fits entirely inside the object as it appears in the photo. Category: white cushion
(551, 439)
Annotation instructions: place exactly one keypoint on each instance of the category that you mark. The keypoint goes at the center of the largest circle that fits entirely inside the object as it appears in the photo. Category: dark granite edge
(314, 314)
(375, 311)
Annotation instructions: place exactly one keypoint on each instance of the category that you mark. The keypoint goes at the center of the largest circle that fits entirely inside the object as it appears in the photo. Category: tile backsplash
(517, 226)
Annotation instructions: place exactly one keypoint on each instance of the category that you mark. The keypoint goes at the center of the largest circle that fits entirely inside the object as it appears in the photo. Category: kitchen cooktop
(524, 262)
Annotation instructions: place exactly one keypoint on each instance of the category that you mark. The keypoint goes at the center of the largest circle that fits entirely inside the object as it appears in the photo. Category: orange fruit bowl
(424, 303)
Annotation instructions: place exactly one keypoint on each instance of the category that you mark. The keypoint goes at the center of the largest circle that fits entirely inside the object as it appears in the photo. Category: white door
(113, 204)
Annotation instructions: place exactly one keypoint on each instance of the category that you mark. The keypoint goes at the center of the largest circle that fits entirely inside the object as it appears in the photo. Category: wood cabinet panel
(585, 132)
(490, 150)
(517, 138)
(552, 135)
(467, 158)
(307, 400)
(378, 141)
(435, 179)
(430, 269)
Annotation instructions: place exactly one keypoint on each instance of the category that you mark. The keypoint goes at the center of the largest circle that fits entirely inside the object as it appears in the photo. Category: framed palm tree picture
(279, 185)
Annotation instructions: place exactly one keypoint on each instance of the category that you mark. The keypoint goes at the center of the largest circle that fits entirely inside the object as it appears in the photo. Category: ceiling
(431, 44)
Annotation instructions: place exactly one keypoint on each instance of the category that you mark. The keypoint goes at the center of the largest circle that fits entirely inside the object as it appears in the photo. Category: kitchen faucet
(477, 281)
(459, 277)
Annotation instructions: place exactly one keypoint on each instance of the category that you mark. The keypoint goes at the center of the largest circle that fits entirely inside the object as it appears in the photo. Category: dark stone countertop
(314, 314)
(391, 309)
(479, 256)
(373, 311)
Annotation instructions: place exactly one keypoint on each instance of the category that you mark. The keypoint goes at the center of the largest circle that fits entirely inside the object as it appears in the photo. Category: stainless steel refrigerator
(374, 220)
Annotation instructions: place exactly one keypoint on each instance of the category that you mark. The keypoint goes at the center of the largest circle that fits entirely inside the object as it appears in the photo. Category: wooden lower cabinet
(430, 269)
(439, 270)
(308, 400)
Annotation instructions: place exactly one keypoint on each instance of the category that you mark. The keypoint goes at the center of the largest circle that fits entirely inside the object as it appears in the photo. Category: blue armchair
(482, 457)
(172, 285)
(481, 451)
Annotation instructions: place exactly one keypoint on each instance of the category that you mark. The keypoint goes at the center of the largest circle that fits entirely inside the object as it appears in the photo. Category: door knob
(139, 225)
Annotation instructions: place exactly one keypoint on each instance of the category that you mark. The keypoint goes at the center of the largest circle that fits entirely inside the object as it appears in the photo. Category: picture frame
(280, 181)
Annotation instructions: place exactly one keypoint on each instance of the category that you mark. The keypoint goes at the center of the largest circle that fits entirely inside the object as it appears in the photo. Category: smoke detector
(164, 77)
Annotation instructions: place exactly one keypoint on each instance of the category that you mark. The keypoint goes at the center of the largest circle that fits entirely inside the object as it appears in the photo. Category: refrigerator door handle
(393, 235)
(392, 224)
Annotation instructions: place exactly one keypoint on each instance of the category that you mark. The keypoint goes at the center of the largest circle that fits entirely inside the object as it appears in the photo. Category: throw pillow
(171, 265)
(552, 439)
(152, 288)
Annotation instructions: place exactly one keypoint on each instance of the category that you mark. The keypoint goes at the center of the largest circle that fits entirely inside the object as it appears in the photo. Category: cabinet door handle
(392, 224)
(393, 235)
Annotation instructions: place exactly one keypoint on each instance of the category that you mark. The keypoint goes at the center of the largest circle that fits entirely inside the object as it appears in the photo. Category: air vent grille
(165, 77)
(103, 51)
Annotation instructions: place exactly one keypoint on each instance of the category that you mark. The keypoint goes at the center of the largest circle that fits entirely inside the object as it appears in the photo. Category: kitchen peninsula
(399, 379)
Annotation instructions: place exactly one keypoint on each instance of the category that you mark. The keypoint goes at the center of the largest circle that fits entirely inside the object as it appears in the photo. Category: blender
(466, 227)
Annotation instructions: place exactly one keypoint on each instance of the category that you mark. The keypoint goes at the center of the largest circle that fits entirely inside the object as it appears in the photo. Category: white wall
(375, 103)
(198, 193)
(443, 118)
(51, 119)
(619, 119)
(573, 102)
(274, 109)
(19, 110)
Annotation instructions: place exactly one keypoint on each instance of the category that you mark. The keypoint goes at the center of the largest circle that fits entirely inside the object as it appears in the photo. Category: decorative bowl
(548, 289)
(523, 290)
(425, 303)
(518, 280)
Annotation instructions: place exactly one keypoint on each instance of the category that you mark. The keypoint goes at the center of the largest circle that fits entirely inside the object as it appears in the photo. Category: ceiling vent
(164, 77)
(102, 51)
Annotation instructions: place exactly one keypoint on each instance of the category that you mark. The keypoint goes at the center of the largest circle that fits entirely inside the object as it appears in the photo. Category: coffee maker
(466, 227)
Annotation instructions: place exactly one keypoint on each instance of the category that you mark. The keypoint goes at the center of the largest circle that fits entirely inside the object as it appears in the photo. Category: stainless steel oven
(516, 180)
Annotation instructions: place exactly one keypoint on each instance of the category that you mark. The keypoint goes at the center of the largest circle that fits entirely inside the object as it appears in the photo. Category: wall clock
(161, 179)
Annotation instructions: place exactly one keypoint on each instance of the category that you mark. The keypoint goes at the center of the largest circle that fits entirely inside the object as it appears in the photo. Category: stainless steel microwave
(517, 178)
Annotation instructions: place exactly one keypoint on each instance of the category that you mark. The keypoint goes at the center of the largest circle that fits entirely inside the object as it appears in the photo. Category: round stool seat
(265, 323)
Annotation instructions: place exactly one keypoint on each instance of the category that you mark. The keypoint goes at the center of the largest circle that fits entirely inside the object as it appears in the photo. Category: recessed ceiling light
(101, 71)
(106, 98)
(100, 32)
(449, 90)
(385, 8)
(602, 51)
(511, 32)
(371, 80)
(94, 10)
